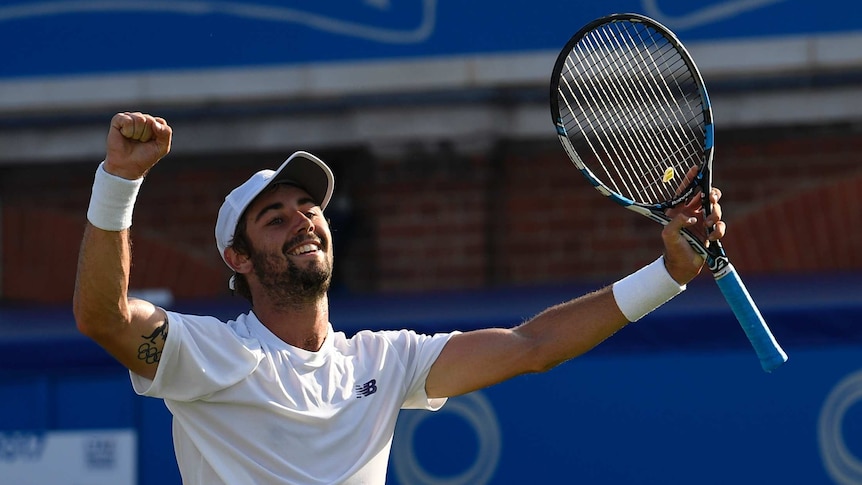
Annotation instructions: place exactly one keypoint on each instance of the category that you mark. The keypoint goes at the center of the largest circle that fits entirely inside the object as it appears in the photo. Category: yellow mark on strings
(668, 175)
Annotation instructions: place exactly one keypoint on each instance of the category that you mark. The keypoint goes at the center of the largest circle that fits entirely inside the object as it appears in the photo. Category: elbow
(82, 313)
(85, 318)
(530, 351)
(544, 365)
(93, 320)
(79, 313)
(85, 326)
(540, 354)
(541, 357)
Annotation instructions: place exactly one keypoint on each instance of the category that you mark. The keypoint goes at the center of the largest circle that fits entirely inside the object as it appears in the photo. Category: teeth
(306, 248)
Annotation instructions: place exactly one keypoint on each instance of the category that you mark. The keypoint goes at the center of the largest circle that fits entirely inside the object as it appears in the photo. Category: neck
(302, 325)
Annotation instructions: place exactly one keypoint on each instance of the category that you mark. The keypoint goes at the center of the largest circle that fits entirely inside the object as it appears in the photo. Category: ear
(240, 263)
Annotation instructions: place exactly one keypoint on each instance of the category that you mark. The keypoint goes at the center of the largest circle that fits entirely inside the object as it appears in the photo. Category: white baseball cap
(301, 169)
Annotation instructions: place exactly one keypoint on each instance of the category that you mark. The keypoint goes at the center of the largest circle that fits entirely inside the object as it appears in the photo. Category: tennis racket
(632, 113)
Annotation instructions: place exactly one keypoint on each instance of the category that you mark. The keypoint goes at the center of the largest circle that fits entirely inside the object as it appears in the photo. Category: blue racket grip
(768, 351)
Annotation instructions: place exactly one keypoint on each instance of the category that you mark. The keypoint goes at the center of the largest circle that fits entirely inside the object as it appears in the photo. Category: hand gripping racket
(632, 113)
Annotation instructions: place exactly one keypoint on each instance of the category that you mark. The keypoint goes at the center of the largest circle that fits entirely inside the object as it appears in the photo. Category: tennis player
(277, 396)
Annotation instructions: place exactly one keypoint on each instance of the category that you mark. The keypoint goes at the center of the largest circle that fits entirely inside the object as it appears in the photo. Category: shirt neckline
(303, 356)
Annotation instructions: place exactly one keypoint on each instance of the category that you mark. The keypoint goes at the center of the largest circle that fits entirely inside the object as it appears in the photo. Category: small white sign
(79, 457)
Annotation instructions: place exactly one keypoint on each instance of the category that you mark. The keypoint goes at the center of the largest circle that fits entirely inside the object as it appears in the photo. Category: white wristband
(645, 290)
(112, 200)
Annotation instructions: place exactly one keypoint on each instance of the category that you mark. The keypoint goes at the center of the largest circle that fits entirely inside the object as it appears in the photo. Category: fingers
(135, 143)
(679, 222)
(716, 226)
(715, 195)
(139, 126)
(689, 176)
(718, 231)
(682, 262)
(128, 124)
(671, 234)
(163, 134)
(144, 129)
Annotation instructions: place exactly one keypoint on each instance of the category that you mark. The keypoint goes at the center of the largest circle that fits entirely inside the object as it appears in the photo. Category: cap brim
(308, 172)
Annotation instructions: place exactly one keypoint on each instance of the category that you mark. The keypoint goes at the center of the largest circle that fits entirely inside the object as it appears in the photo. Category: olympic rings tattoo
(149, 351)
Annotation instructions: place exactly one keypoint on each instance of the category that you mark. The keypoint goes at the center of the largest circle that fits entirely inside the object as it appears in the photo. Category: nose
(305, 223)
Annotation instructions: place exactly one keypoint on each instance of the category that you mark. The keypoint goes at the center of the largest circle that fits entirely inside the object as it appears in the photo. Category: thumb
(680, 222)
(682, 262)
(672, 232)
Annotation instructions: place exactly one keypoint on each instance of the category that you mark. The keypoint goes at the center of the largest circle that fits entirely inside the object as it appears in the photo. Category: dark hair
(241, 245)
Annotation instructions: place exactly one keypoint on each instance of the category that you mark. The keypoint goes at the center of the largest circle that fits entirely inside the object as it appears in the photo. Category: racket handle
(768, 351)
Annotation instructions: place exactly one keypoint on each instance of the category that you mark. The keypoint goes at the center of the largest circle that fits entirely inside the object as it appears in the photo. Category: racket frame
(769, 352)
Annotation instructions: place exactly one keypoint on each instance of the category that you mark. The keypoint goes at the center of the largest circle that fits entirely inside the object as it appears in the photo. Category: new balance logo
(366, 389)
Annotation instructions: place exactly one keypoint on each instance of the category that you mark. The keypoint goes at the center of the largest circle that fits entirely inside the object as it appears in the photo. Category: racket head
(632, 112)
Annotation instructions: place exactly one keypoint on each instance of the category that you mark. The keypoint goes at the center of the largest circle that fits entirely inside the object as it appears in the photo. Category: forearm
(104, 262)
(557, 334)
(570, 329)
(101, 286)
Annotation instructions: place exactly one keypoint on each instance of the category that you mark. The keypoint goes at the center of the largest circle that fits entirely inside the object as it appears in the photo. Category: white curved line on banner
(478, 412)
(842, 465)
(705, 15)
(249, 11)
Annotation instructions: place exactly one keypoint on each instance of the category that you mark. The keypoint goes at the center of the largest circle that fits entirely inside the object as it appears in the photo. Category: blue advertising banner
(92, 456)
(663, 418)
(62, 37)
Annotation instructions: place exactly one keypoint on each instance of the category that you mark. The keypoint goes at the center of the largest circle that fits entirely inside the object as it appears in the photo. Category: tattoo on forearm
(149, 351)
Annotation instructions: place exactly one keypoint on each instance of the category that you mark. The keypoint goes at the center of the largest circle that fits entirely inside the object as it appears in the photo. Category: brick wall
(430, 221)
(793, 200)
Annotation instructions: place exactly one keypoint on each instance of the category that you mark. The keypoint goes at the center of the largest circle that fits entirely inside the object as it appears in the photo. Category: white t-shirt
(250, 409)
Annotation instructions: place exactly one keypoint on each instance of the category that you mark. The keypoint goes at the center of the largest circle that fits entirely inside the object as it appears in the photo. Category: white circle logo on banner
(477, 411)
(842, 465)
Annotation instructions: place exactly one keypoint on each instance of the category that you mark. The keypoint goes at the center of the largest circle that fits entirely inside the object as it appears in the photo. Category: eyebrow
(262, 212)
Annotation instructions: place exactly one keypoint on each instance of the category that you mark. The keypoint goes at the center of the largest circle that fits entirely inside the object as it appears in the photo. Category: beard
(292, 286)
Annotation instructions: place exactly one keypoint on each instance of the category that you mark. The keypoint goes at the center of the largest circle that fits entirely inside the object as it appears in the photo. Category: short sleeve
(201, 355)
(418, 352)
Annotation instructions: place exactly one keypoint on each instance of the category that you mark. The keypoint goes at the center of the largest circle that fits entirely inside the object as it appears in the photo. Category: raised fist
(136, 142)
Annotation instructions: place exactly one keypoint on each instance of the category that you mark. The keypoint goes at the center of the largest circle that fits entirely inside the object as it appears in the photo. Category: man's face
(291, 245)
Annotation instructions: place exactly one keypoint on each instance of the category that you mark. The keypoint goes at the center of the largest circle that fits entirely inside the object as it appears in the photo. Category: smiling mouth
(304, 249)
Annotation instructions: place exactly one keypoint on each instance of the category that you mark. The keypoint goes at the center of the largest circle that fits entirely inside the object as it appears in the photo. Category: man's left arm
(481, 358)
(478, 359)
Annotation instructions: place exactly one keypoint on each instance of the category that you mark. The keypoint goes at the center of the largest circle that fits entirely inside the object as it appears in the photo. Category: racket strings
(647, 97)
(668, 70)
(679, 74)
(642, 145)
(628, 97)
(650, 68)
(602, 112)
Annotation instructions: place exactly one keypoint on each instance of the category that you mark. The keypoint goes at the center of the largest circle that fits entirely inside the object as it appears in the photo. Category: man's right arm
(133, 331)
